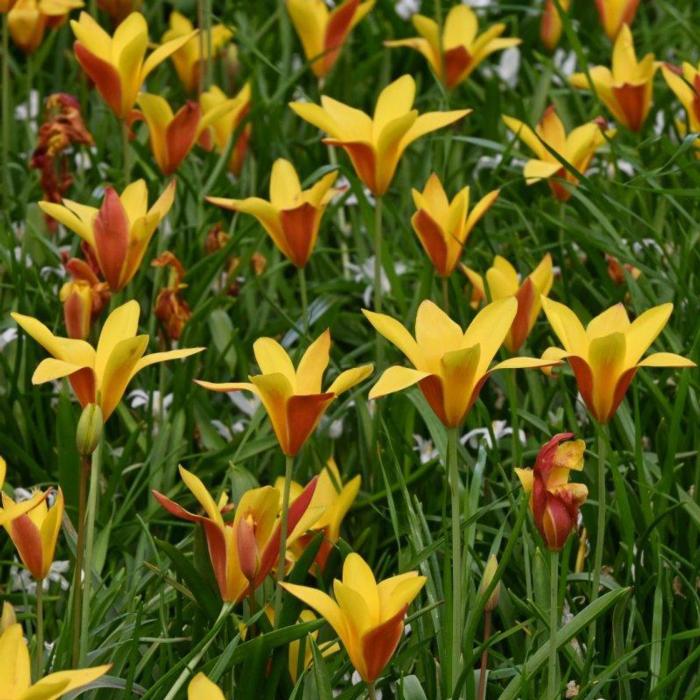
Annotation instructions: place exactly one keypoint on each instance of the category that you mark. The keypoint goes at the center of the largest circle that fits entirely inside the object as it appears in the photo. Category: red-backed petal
(83, 383)
(584, 379)
(379, 644)
(303, 413)
(181, 135)
(521, 323)
(456, 61)
(111, 230)
(620, 390)
(337, 30)
(432, 390)
(175, 508)
(299, 226)
(104, 75)
(363, 160)
(432, 239)
(27, 539)
(631, 99)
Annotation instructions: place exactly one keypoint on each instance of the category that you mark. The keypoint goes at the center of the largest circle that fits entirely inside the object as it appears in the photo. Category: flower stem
(304, 301)
(453, 473)
(39, 651)
(484, 656)
(378, 292)
(126, 153)
(6, 112)
(552, 685)
(371, 691)
(281, 562)
(78, 576)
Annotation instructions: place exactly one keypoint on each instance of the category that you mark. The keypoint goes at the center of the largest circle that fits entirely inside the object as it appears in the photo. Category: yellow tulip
(442, 226)
(502, 281)
(366, 615)
(201, 688)
(626, 90)
(35, 533)
(119, 231)
(450, 365)
(15, 676)
(7, 515)
(116, 64)
(461, 49)
(293, 397)
(292, 216)
(606, 354)
(616, 13)
(28, 20)
(685, 83)
(323, 32)
(375, 144)
(98, 375)
(189, 58)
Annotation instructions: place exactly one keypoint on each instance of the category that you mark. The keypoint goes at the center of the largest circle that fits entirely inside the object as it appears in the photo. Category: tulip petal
(459, 374)
(105, 76)
(379, 645)
(323, 604)
(397, 334)
(70, 220)
(121, 324)
(300, 227)
(433, 240)
(644, 330)
(199, 491)
(612, 320)
(272, 358)
(312, 365)
(66, 680)
(436, 334)
(526, 477)
(303, 414)
(489, 329)
(50, 530)
(396, 379)
(567, 327)
(349, 378)
(112, 238)
(528, 137)
(525, 363)
(394, 101)
(478, 211)
(180, 135)
(358, 575)
(318, 116)
(201, 688)
(404, 591)
(432, 121)
(50, 369)
(27, 539)
(119, 370)
(14, 661)
(163, 52)
(666, 359)
(156, 357)
(536, 170)
(285, 187)
(226, 387)
(175, 508)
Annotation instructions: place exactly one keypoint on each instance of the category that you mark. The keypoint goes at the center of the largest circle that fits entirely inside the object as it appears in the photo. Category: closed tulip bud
(551, 24)
(89, 431)
(489, 572)
(248, 547)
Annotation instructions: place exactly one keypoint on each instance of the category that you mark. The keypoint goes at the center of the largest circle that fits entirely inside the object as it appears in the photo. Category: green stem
(453, 473)
(7, 197)
(552, 685)
(126, 152)
(378, 276)
(282, 560)
(39, 651)
(371, 691)
(305, 321)
(78, 576)
(484, 656)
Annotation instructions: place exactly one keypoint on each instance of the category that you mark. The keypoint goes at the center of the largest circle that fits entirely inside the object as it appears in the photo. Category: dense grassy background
(153, 600)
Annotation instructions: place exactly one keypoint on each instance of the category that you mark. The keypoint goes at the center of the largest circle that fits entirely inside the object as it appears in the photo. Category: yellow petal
(436, 333)
(284, 184)
(528, 137)
(432, 121)
(358, 576)
(395, 100)
(273, 358)
(199, 491)
(666, 359)
(50, 529)
(225, 387)
(323, 604)
(121, 324)
(349, 378)
(403, 593)
(396, 379)
(118, 371)
(459, 375)
(50, 369)
(461, 26)
(489, 329)
(156, 357)
(612, 320)
(526, 478)
(397, 334)
(309, 20)
(163, 52)
(606, 358)
(312, 365)
(567, 327)
(527, 362)
(536, 170)
(70, 219)
(644, 330)
(14, 662)
(68, 680)
(201, 688)
(502, 279)
(319, 117)
(134, 199)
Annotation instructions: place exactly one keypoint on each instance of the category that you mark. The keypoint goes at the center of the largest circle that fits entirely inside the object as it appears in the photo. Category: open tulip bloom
(626, 90)
(98, 375)
(28, 20)
(116, 64)
(293, 397)
(449, 365)
(616, 13)
(292, 216)
(554, 501)
(606, 354)
(366, 615)
(461, 48)
(119, 231)
(502, 281)
(685, 83)
(15, 677)
(443, 227)
(323, 32)
(375, 144)
(576, 148)
(244, 550)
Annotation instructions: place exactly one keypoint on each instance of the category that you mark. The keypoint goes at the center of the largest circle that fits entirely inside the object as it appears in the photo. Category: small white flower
(565, 63)
(246, 403)
(659, 123)
(407, 8)
(22, 580)
(478, 3)
(365, 272)
(507, 68)
(487, 163)
(28, 111)
(335, 429)
(139, 398)
(500, 430)
(7, 336)
(580, 409)
(426, 451)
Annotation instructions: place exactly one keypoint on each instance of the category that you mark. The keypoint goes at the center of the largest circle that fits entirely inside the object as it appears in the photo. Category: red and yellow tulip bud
(292, 216)
(7, 515)
(243, 551)
(626, 90)
(616, 13)
(15, 672)
(323, 32)
(119, 10)
(551, 23)
(293, 397)
(98, 375)
(576, 148)
(83, 298)
(228, 124)
(685, 83)
(450, 365)
(443, 227)
(606, 354)
(553, 500)
(366, 615)
(119, 232)
(201, 688)
(28, 20)
(454, 56)
(375, 144)
(116, 63)
(190, 58)
(35, 533)
(617, 270)
(502, 281)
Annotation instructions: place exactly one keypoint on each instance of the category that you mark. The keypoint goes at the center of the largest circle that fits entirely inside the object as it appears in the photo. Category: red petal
(105, 77)
(584, 379)
(111, 229)
(632, 102)
(432, 239)
(337, 30)
(303, 413)
(27, 539)
(521, 323)
(181, 135)
(432, 390)
(299, 226)
(379, 644)
(83, 383)
(456, 61)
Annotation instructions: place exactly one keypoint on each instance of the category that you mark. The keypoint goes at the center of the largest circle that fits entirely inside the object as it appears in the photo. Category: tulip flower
(293, 397)
(173, 136)
(244, 550)
(616, 13)
(190, 57)
(292, 216)
(7, 515)
(323, 32)
(225, 125)
(375, 144)
(98, 375)
(119, 232)
(606, 354)
(553, 500)
(461, 49)
(83, 298)
(502, 281)
(685, 83)
(550, 24)
(368, 616)
(28, 20)
(576, 148)
(119, 10)
(15, 676)
(450, 365)
(201, 688)
(116, 64)
(35, 533)
(442, 226)
(626, 91)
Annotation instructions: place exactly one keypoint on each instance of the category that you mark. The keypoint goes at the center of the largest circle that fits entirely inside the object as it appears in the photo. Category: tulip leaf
(411, 689)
